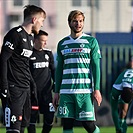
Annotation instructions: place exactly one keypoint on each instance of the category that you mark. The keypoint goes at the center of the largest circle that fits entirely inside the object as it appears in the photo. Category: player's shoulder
(15, 31)
(87, 36)
(64, 39)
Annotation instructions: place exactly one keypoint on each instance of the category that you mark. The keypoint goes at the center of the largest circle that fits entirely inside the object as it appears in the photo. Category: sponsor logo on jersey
(8, 44)
(41, 64)
(84, 114)
(26, 53)
(76, 50)
(73, 50)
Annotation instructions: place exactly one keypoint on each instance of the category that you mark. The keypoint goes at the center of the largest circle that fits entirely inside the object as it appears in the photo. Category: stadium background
(110, 21)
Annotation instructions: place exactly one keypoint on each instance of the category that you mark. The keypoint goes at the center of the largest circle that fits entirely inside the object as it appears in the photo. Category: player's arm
(5, 55)
(95, 65)
(8, 47)
(96, 79)
(96, 73)
(114, 97)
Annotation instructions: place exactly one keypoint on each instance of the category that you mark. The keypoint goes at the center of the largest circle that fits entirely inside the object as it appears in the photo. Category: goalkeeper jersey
(125, 79)
(74, 57)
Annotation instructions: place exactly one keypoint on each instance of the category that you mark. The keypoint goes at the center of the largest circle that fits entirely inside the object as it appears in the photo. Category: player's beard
(75, 30)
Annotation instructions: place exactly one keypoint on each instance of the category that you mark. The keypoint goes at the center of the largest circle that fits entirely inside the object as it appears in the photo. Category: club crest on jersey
(9, 45)
(82, 45)
(46, 56)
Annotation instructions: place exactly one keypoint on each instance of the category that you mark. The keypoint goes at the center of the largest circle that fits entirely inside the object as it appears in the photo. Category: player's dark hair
(127, 95)
(75, 13)
(41, 32)
(31, 10)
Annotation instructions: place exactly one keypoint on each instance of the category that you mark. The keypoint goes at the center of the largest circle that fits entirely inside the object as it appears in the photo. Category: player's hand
(97, 96)
(56, 100)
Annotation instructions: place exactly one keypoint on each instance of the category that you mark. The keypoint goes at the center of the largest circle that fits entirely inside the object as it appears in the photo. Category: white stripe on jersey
(76, 81)
(76, 70)
(77, 60)
(75, 91)
(124, 84)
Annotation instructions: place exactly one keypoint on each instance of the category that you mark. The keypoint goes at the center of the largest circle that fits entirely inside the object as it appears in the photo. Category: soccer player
(78, 57)
(14, 69)
(121, 96)
(43, 71)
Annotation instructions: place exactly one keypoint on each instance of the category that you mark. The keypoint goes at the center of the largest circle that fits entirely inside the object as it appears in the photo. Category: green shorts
(77, 106)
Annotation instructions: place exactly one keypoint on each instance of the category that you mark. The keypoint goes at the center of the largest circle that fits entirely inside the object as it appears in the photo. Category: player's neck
(27, 28)
(38, 48)
(75, 35)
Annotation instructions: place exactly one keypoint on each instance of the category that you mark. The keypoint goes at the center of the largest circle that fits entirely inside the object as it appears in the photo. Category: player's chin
(78, 30)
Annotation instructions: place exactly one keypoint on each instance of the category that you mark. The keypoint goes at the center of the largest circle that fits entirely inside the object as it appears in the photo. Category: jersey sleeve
(9, 44)
(95, 63)
(95, 50)
(59, 70)
(96, 73)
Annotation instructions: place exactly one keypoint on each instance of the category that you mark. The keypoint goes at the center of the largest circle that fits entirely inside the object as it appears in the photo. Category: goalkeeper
(121, 97)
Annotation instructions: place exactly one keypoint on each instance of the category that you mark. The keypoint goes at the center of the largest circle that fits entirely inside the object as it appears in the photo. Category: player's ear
(33, 20)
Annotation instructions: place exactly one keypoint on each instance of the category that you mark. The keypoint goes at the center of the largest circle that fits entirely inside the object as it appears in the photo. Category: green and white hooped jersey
(125, 79)
(76, 55)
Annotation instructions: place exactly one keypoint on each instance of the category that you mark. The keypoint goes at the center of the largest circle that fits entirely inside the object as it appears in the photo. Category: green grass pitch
(77, 130)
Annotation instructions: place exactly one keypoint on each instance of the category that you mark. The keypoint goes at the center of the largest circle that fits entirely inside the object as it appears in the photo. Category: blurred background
(110, 21)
